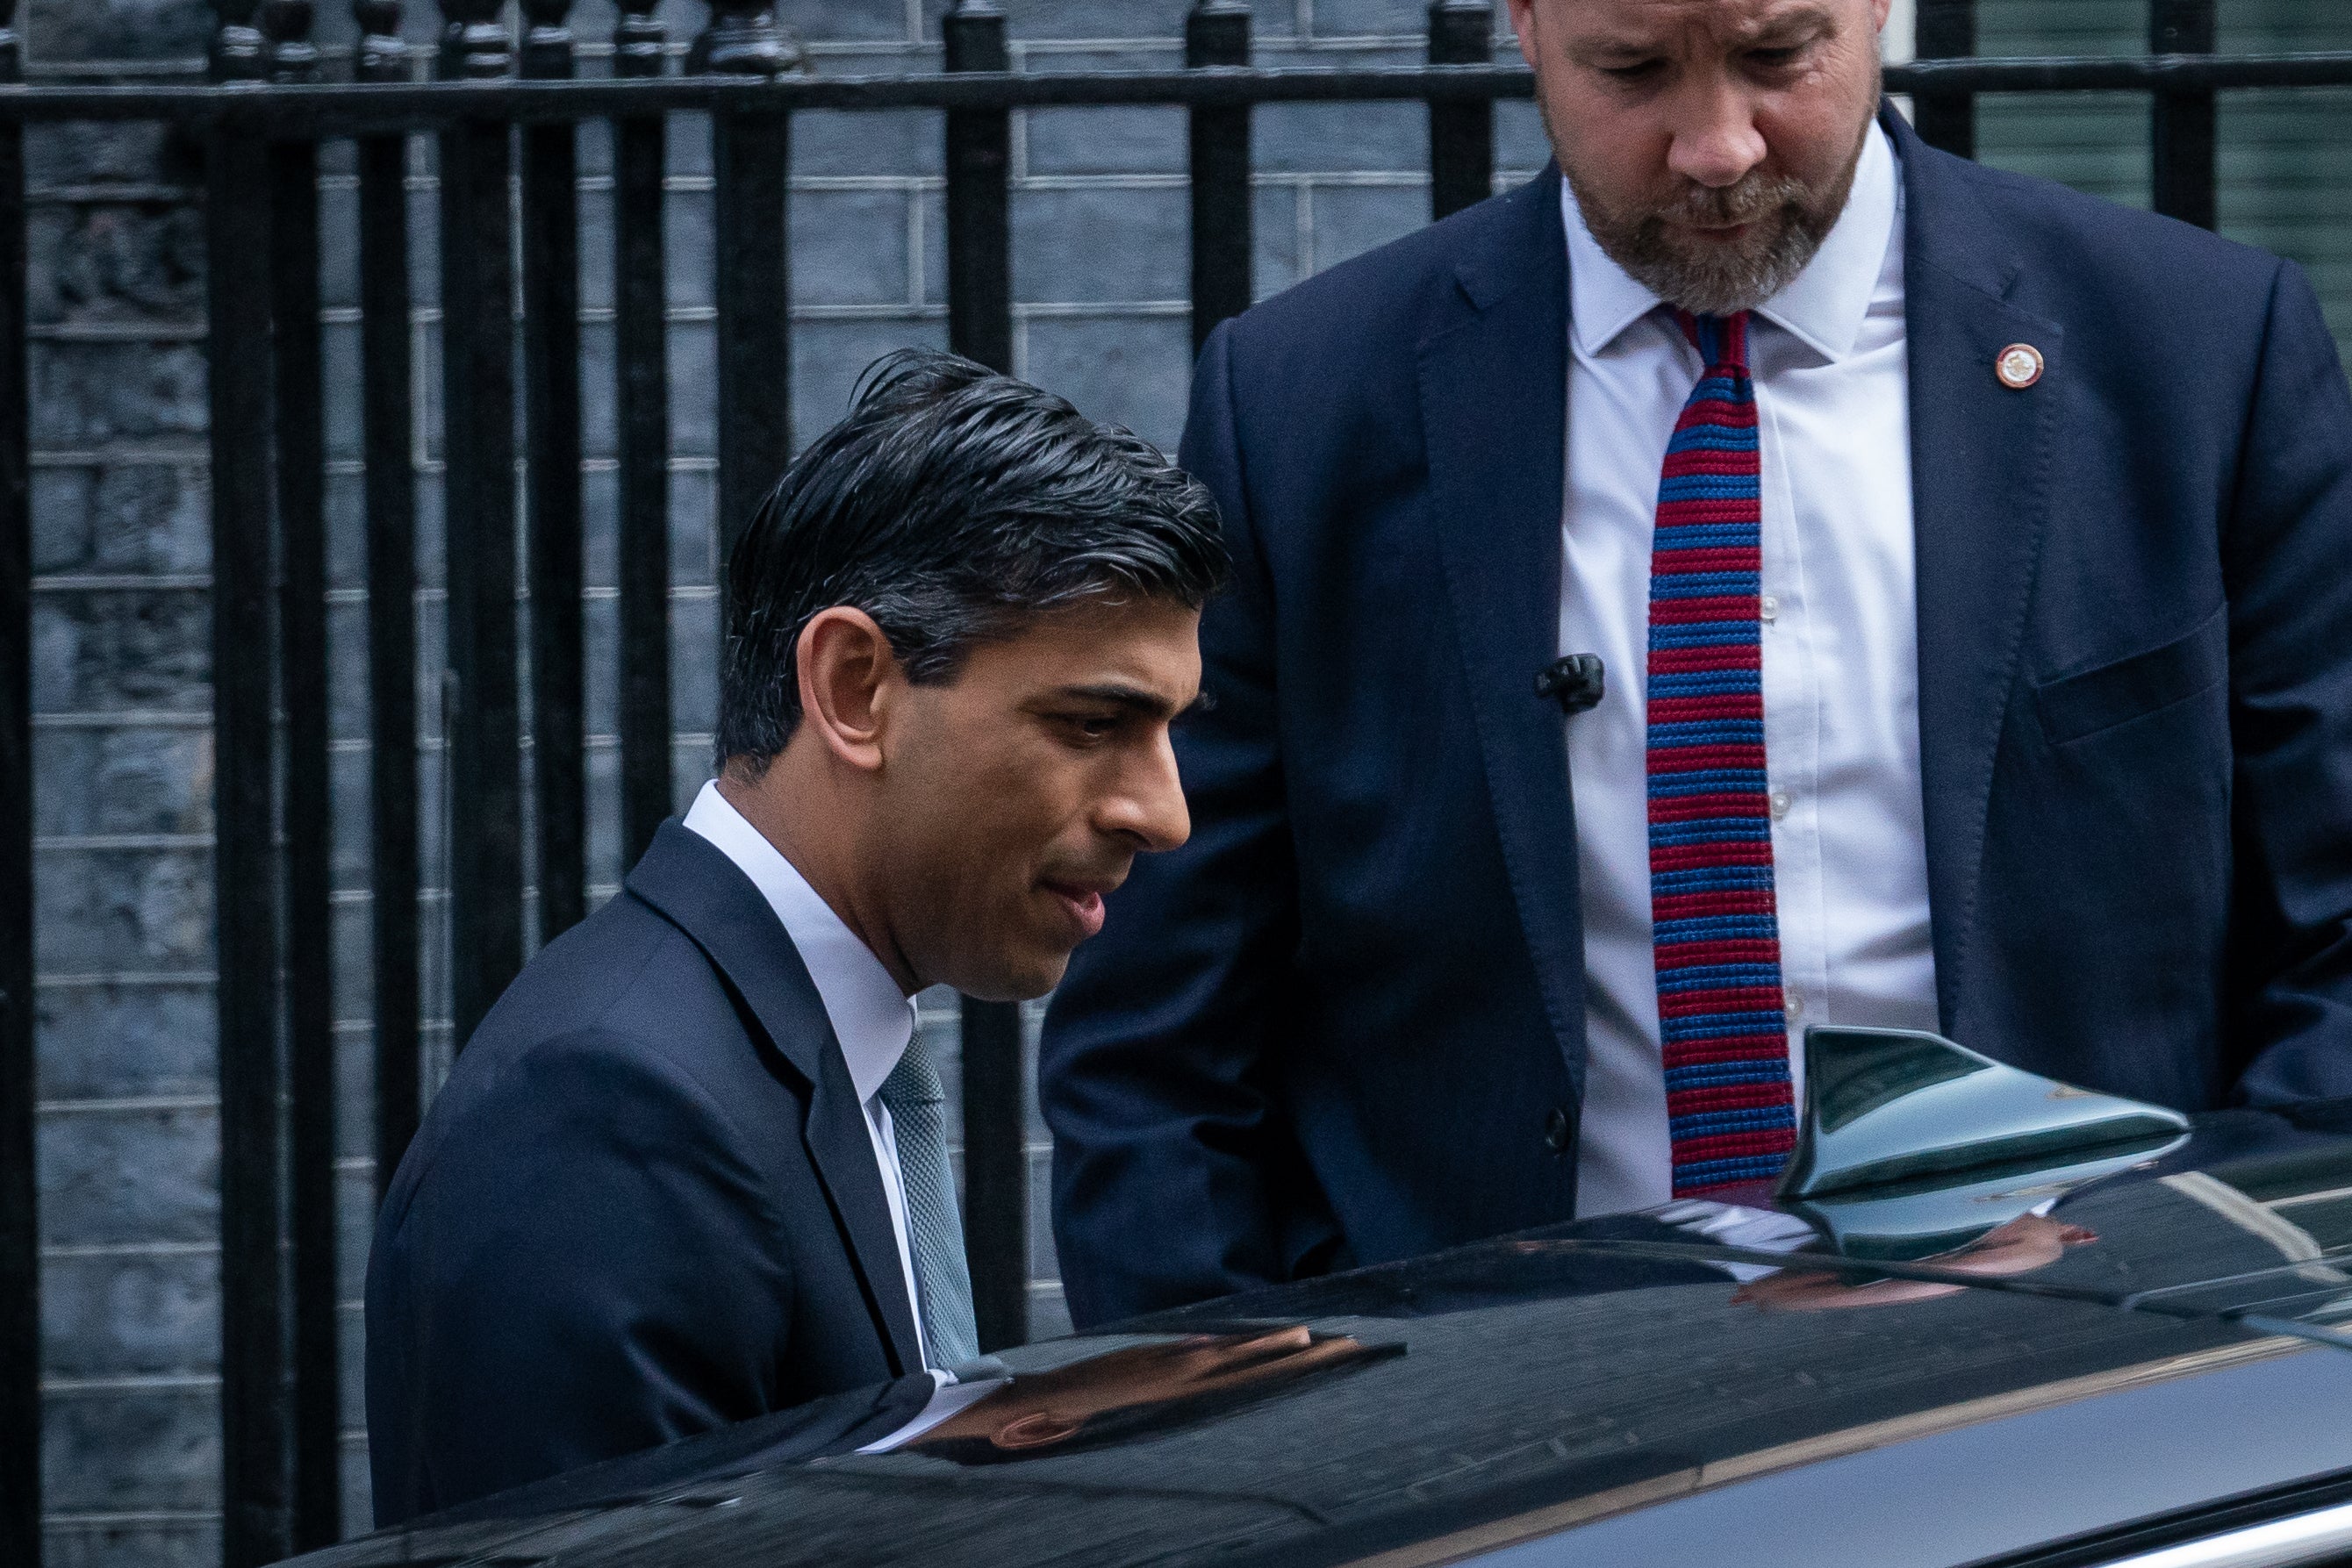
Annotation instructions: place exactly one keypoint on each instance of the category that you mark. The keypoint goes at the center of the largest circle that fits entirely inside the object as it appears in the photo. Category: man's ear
(846, 670)
(1523, 29)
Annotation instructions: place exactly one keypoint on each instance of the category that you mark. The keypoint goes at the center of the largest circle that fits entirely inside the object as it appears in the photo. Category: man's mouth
(1083, 900)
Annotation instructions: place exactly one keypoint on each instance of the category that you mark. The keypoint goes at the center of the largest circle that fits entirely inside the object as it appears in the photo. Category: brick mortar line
(132, 1382)
(119, 843)
(140, 333)
(70, 1521)
(119, 581)
(704, 185)
(159, 332)
(1293, 38)
(102, 1249)
(124, 979)
(176, 581)
(130, 1105)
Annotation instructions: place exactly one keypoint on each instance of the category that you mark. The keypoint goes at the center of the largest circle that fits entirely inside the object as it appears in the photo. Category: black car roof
(1537, 1382)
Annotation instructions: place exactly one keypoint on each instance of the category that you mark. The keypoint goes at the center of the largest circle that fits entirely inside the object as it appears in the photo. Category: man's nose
(1715, 137)
(1150, 805)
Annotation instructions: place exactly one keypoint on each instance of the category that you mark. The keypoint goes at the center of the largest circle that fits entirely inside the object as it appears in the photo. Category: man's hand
(1037, 1410)
(2030, 1241)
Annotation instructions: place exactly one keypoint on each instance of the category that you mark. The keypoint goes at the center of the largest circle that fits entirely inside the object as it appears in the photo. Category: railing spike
(475, 43)
(382, 54)
(2182, 181)
(238, 51)
(287, 24)
(546, 39)
(640, 42)
(744, 38)
(1461, 130)
(20, 1200)
(1947, 29)
(1217, 36)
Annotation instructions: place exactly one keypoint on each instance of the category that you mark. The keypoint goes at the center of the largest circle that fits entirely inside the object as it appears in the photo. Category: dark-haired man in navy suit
(1943, 575)
(691, 1170)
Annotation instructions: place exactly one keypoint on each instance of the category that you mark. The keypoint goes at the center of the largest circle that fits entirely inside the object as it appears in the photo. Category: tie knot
(915, 1080)
(1721, 341)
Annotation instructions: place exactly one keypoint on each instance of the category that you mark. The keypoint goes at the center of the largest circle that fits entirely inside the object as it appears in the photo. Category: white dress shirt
(1841, 655)
(871, 1016)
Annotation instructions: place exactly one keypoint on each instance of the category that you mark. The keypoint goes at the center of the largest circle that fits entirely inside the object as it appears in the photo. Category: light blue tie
(934, 1233)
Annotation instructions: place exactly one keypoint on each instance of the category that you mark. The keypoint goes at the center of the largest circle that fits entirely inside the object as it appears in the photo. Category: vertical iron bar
(256, 1422)
(550, 292)
(20, 1251)
(2180, 123)
(1461, 130)
(1947, 30)
(752, 159)
(996, 1172)
(298, 392)
(980, 326)
(641, 344)
(387, 420)
(485, 808)
(979, 151)
(1217, 33)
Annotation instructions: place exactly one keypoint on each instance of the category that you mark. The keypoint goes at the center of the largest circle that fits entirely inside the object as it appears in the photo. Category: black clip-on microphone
(1574, 683)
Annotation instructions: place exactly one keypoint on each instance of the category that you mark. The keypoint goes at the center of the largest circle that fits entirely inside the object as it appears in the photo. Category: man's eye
(1776, 59)
(1090, 726)
(1639, 70)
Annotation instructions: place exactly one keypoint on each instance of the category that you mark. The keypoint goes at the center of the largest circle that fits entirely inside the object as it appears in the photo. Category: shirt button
(1769, 608)
(1795, 1008)
(1779, 801)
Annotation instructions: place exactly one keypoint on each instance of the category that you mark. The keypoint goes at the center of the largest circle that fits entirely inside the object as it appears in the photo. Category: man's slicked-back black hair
(953, 505)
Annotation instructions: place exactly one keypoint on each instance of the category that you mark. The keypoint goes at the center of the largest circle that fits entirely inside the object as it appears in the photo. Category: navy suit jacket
(1345, 1023)
(644, 1205)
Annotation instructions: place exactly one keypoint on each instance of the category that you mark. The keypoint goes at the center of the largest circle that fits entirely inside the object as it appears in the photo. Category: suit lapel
(701, 892)
(1981, 456)
(1494, 388)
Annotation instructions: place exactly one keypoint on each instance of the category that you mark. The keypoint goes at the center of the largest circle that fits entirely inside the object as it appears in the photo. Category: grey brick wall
(128, 1128)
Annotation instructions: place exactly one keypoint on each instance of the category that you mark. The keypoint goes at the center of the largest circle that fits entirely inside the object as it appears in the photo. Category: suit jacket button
(1560, 1130)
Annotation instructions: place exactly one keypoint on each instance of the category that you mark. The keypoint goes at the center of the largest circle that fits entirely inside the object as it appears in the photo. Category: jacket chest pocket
(2083, 704)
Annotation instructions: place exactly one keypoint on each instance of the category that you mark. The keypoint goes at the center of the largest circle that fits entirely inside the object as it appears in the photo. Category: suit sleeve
(835, 1425)
(550, 1286)
(1174, 1179)
(2285, 555)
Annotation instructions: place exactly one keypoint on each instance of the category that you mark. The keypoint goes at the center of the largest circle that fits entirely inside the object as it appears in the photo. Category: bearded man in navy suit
(2023, 653)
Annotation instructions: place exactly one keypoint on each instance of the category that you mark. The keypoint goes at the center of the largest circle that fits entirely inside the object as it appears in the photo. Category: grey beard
(1719, 280)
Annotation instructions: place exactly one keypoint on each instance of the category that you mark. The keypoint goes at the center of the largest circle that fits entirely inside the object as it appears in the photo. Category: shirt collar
(871, 1016)
(1823, 306)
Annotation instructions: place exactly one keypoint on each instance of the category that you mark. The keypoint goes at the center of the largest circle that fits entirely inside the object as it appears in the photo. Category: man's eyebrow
(1794, 22)
(1797, 21)
(1136, 699)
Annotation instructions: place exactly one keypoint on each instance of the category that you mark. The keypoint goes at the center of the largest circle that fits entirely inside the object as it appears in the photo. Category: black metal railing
(504, 114)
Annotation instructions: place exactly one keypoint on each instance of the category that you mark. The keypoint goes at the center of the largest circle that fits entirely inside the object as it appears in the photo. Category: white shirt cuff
(949, 1398)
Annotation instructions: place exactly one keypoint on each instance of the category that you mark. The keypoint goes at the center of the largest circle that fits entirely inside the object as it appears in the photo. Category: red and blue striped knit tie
(1715, 930)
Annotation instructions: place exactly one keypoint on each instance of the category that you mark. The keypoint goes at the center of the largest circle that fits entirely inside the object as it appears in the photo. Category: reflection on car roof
(1532, 1382)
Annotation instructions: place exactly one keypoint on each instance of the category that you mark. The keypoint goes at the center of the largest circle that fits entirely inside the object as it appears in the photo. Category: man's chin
(1014, 978)
(1717, 274)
